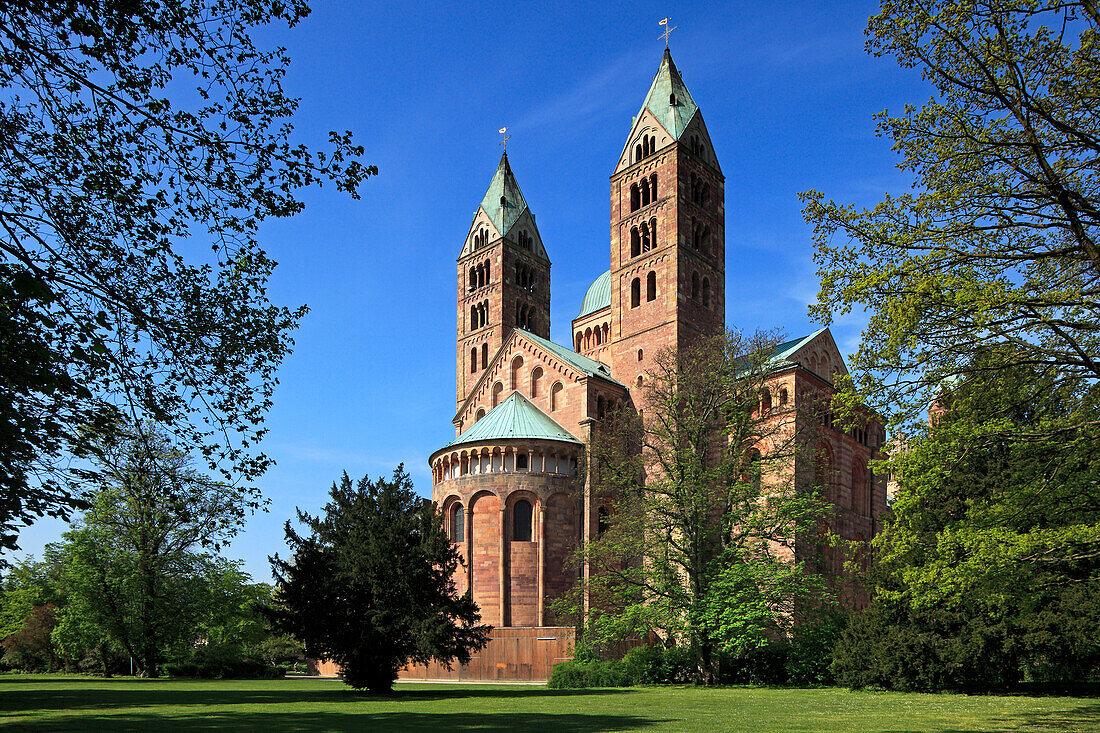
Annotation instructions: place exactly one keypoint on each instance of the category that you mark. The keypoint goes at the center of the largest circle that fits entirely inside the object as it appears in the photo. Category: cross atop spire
(668, 29)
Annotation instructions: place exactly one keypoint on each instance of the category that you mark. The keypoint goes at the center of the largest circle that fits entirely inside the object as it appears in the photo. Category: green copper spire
(503, 201)
(668, 99)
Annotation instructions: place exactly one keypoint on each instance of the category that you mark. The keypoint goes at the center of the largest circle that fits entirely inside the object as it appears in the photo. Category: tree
(132, 568)
(136, 136)
(998, 244)
(371, 586)
(699, 544)
(31, 647)
(988, 569)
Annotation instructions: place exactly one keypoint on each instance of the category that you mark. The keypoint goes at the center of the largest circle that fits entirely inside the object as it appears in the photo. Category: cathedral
(512, 485)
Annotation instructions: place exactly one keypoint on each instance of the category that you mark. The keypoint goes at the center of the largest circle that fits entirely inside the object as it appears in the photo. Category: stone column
(542, 563)
(503, 560)
(588, 505)
(469, 521)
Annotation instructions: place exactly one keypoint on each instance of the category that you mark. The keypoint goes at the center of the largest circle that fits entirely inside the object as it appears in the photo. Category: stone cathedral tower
(503, 278)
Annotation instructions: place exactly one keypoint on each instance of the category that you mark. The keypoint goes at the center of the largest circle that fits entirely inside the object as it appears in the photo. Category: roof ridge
(503, 201)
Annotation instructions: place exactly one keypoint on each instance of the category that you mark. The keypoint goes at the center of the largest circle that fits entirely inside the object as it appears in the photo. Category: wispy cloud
(593, 98)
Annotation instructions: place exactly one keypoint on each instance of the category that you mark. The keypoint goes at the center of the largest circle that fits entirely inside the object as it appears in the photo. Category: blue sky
(787, 92)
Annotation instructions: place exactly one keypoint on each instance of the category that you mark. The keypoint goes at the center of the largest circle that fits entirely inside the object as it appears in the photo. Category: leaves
(370, 587)
(131, 134)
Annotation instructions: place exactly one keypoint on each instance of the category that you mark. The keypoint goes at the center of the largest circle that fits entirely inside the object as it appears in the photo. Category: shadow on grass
(215, 693)
(328, 721)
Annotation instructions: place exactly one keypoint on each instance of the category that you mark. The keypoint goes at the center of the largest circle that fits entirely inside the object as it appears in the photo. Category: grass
(61, 703)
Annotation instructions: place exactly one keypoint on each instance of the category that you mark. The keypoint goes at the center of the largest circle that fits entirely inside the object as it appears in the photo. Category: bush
(239, 669)
(574, 675)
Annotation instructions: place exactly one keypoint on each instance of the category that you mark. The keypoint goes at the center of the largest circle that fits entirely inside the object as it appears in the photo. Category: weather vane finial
(504, 138)
(668, 30)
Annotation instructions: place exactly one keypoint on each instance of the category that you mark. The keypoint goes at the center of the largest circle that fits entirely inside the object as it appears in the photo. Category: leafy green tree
(705, 509)
(997, 245)
(132, 566)
(137, 136)
(988, 571)
(371, 586)
(26, 584)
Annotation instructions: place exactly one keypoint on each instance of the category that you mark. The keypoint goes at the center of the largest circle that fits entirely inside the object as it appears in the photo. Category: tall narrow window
(653, 186)
(458, 524)
(635, 292)
(473, 317)
(635, 197)
(645, 193)
(473, 360)
(651, 286)
(556, 396)
(517, 364)
(484, 356)
(635, 242)
(645, 237)
(498, 390)
(653, 233)
(638, 153)
(695, 286)
(706, 292)
(536, 377)
(521, 521)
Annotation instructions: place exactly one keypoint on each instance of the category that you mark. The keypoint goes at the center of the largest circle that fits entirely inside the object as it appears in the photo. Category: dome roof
(516, 418)
(598, 295)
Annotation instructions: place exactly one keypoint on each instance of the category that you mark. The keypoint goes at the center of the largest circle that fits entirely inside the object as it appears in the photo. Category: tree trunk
(103, 659)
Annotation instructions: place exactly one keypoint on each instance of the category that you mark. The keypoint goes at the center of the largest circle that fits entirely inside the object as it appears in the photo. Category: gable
(820, 355)
(646, 124)
(481, 226)
(526, 224)
(697, 140)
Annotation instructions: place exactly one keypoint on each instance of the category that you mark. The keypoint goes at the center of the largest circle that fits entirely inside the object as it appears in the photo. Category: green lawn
(55, 703)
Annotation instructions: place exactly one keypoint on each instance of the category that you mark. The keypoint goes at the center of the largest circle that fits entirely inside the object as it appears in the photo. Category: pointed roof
(589, 367)
(503, 201)
(515, 418)
(668, 99)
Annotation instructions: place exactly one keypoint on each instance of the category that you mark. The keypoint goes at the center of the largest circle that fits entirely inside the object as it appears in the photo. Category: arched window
(458, 524)
(556, 397)
(498, 389)
(602, 520)
(824, 474)
(765, 400)
(635, 242)
(601, 406)
(517, 364)
(638, 154)
(635, 197)
(521, 521)
(782, 395)
(588, 338)
(754, 469)
(695, 286)
(473, 360)
(473, 278)
(536, 375)
(579, 340)
(487, 278)
(645, 193)
(653, 233)
(606, 332)
(860, 488)
(599, 336)
(653, 186)
(484, 355)
(706, 292)
(645, 236)
(635, 292)
(651, 286)
(473, 317)
(480, 414)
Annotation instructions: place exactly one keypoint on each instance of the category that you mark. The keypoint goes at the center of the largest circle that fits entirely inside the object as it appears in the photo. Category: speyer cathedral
(512, 485)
